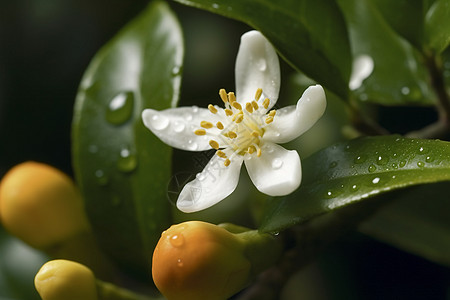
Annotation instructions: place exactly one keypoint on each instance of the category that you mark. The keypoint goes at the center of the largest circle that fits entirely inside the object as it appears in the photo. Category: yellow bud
(198, 260)
(41, 205)
(62, 279)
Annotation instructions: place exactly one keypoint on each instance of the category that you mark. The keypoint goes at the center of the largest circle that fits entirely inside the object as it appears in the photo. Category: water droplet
(178, 126)
(376, 180)
(188, 117)
(127, 161)
(402, 163)
(421, 150)
(405, 90)
(120, 108)
(101, 177)
(355, 187)
(363, 97)
(200, 176)
(333, 164)
(329, 195)
(429, 159)
(277, 163)
(215, 5)
(261, 64)
(382, 160)
(420, 164)
(180, 263)
(359, 159)
(394, 165)
(176, 70)
(191, 145)
(159, 122)
(372, 168)
(195, 109)
(177, 240)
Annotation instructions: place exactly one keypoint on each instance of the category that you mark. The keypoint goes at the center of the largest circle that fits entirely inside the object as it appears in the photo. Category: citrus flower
(247, 130)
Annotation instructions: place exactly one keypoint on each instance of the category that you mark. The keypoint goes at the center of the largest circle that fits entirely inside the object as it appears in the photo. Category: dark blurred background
(46, 45)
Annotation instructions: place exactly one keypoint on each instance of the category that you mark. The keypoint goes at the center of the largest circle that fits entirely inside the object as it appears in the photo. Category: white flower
(246, 130)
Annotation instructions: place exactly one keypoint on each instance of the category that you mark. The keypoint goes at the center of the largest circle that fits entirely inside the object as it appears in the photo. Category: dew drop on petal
(178, 126)
(261, 64)
(120, 108)
(277, 163)
(191, 145)
(200, 176)
(159, 122)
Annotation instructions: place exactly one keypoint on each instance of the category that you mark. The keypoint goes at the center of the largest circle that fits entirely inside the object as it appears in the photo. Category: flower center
(242, 128)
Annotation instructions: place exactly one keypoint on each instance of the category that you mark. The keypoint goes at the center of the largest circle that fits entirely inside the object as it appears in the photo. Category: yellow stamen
(255, 105)
(228, 112)
(221, 154)
(227, 162)
(214, 144)
(269, 120)
(249, 107)
(236, 115)
(223, 95)
(258, 152)
(258, 94)
(212, 109)
(237, 105)
(206, 124)
(231, 97)
(239, 118)
(219, 125)
(200, 132)
(251, 149)
(272, 113)
(266, 103)
(232, 134)
(255, 133)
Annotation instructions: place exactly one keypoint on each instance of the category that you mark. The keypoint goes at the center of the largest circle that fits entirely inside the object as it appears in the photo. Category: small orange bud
(198, 260)
(41, 205)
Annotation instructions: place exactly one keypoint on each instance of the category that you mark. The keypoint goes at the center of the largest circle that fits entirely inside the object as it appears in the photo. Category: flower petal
(210, 186)
(257, 66)
(291, 121)
(277, 172)
(176, 126)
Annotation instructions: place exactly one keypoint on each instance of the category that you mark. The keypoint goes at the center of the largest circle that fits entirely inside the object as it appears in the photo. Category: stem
(437, 82)
(362, 123)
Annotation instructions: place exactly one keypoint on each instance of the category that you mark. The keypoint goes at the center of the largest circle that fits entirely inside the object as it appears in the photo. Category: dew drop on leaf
(376, 180)
(372, 168)
(127, 161)
(101, 177)
(420, 164)
(120, 108)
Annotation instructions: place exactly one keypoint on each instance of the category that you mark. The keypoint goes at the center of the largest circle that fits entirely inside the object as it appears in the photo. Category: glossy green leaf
(437, 26)
(417, 222)
(122, 168)
(310, 35)
(398, 77)
(406, 17)
(352, 171)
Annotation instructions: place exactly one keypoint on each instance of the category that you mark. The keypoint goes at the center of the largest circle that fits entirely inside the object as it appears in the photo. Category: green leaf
(399, 77)
(310, 35)
(437, 26)
(417, 222)
(352, 171)
(123, 169)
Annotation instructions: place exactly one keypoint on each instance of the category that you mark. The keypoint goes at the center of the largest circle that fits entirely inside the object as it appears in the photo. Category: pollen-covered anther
(221, 154)
(219, 125)
(258, 152)
(231, 97)
(237, 105)
(249, 107)
(227, 162)
(272, 113)
(232, 134)
(258, 94)
(212, 109)
(228, 112)
(251, 149)
(200, 132)
(206, 124)
(266, 103)
(255, 105)
(239, 119)
(255, 133)
(214, 144)
(223, 95)
(269, 120)
(236, 116)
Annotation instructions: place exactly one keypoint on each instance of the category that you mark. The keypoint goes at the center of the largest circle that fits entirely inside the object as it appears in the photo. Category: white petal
(277, 172)
(176, 126)
(212, 185)
(257, 66)
(362, 68)
(290, 122)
